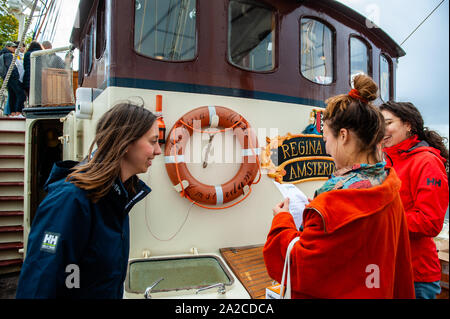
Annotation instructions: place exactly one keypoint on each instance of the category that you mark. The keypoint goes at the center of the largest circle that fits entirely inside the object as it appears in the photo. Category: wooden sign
(297, 158)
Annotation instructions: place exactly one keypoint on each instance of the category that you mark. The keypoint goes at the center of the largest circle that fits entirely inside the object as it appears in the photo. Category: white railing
(51, 77)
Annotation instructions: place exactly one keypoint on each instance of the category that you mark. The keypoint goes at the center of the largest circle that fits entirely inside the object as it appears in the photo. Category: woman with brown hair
(420, 158)
(34, 46)
(353, 242)
(79, 241)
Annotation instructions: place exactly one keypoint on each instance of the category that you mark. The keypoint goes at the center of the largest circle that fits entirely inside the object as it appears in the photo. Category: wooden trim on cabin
(211, 68)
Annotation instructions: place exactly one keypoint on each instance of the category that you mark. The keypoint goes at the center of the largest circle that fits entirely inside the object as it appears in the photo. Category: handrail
(50, 51)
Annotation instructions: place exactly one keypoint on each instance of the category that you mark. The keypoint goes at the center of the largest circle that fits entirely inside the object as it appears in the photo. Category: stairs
(12, 158)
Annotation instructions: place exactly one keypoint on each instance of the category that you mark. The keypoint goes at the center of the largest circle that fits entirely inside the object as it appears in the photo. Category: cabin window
(88, 51)
(251, 36)
(166, 30)
(316, 56)
(359, 57)
(81, 64)
(385, 78)
(100, 32)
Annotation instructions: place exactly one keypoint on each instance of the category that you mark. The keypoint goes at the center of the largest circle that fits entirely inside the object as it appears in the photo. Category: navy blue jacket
(27, 67)
(8, 59)
(70, 231)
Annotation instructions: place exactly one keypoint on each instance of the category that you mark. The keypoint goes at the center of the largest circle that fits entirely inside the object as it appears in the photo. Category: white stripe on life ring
(213, 117)
(250, 151)
(171, 159)
(219, 195)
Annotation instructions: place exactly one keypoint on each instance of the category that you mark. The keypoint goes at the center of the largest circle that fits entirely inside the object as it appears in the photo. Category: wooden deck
(247, 263)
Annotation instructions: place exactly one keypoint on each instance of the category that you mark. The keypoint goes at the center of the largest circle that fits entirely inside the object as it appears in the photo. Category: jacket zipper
(323, 219)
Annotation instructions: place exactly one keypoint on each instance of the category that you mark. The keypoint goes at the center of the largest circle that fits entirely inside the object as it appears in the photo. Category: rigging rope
(421, 23)
(41, 24)
(38, 23)
(55, 23)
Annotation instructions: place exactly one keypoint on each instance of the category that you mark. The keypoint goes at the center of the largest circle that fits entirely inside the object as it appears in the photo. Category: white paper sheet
(297, 201)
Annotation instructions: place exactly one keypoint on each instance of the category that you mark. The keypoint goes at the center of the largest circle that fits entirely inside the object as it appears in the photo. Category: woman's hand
(281, 207)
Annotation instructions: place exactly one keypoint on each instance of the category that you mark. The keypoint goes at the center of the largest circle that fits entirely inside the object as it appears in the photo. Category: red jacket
(424, 194)
(352, 240)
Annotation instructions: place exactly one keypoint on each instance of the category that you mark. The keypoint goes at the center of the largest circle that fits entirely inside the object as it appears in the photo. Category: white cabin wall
(164, 211)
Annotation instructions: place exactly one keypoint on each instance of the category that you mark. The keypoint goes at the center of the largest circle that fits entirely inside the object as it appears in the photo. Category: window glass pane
(91, 49)
(251, 36)
(88, 51)
(316, 51)
(100, 33)
(81, 63)
(359, 57)
(384, 78)
(165, 29)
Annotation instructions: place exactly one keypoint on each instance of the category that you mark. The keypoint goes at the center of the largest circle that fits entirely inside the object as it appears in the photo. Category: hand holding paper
(281, 207)
(297, 201)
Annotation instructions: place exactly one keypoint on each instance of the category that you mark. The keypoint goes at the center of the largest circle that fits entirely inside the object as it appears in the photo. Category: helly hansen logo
(434, 182)
(117, 189)
(50, 242)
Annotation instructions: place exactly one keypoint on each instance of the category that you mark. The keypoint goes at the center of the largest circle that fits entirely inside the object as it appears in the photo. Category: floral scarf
(356, 176)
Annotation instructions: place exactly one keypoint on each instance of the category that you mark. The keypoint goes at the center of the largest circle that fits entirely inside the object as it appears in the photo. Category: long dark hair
(116, 130)
(34, 46)
(408, 113)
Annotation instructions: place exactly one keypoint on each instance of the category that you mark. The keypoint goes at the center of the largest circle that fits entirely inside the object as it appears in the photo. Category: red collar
(402, 146)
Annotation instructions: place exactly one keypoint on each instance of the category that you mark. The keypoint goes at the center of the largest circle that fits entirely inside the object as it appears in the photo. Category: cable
(55, 23)
(43, 10)
(49, 16)
(421, 23)
(44, 19)
(176, 233)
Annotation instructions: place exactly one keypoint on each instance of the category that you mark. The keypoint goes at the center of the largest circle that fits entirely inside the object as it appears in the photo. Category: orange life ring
(176, 166)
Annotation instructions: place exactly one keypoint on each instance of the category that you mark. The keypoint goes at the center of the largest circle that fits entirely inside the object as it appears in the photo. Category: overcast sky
(422, 75)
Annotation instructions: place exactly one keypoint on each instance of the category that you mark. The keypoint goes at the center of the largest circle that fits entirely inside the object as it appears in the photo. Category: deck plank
(247, 263)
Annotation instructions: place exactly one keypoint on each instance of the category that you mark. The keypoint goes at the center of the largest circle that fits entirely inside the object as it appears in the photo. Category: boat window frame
(88, 52)
(390, 67)
(276, 37)
(100, 30)
(195, 57)
(81, 64)
(333, 43)
(369, 55)
(127, 282)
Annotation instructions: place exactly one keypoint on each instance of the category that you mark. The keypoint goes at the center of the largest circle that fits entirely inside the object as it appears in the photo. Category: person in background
(79, 241)
(16, 94)
(354, 239)
(19, 61)
(34, 46)
(52, 60)
(6, 110)
(420, 159)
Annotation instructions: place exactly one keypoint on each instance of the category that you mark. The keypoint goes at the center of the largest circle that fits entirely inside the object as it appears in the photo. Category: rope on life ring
(190, 187)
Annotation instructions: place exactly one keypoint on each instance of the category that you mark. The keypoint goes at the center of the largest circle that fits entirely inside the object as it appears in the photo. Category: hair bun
(366, 87)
